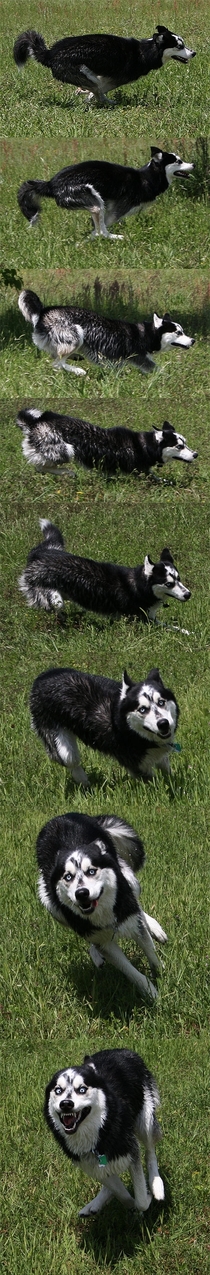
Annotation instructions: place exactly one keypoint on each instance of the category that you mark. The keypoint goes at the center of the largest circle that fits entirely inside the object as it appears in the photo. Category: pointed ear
(155, 675)
(161, 30)
(156, 322)
(148, 566)
(166, 556)
(126, 683)
(167, 316)
(167, 428)
(156, 154)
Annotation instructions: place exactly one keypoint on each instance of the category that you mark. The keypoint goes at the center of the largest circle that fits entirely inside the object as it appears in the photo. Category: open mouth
(69, 1121)
(91, 905)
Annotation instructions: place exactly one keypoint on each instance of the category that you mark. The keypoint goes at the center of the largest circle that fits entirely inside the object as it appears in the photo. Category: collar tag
(102, 1160)
(177, 748)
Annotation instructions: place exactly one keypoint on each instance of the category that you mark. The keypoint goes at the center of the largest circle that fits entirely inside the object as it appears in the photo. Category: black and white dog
(63, 330)
(87, 882)
(99, 1113)
(52, 575)
(51, 439)
(101, 62)
(109, 192)
(133, 722)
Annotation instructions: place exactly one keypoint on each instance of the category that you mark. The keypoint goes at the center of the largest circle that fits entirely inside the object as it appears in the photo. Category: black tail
(28, 197)
(27, 418)
(52, 536)
(30, 305)
(30, 45)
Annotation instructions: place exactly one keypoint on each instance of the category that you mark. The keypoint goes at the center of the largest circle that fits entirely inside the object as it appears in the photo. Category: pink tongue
(69, 1122)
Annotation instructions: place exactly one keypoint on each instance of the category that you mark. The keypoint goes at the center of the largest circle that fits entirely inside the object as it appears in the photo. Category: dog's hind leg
(97, 89)
(68, 755)
(137, 928)
(142, 1197)
(114, 954)
(155, 1181)
(155, 929)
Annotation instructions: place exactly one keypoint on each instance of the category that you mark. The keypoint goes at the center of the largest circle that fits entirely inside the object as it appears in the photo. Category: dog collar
(102, 1160)
(176, 748)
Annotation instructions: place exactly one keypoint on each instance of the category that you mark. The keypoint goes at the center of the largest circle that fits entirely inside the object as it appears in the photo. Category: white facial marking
(151, 711)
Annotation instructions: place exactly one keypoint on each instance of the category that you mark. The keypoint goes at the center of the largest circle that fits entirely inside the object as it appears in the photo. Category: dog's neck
(150, 54)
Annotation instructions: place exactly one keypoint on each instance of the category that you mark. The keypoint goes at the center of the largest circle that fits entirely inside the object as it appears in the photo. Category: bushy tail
(28, 197)
(127, 842)
(31, 307)
(52, 535)
(27, 418)
(30, 45)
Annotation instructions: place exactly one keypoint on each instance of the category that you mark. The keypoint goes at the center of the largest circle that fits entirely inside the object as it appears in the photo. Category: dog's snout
(82, 895)
(67, 1105)
(195, 455)
(163, 726)
(187, 594)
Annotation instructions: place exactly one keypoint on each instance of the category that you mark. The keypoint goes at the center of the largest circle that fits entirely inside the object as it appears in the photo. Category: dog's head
(166, 332)
(84, 875)
(173, 46)
(173, 446)
(164, 578)
(169, 163)
(150, 708)
(72, 1097)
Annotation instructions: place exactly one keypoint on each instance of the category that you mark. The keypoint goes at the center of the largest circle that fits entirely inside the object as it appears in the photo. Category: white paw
(158, 1188)
(88, 1209)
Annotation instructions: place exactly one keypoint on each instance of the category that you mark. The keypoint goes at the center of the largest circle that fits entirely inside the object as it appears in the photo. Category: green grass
(55, 1006)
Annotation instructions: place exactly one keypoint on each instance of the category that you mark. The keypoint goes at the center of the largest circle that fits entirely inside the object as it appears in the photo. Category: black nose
(67, 1106)
(192, 340)
(163, 727)
(82, 895)
(195, 454)
(193, 54)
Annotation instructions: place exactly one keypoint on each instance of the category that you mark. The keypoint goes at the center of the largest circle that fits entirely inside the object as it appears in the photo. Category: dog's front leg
(138, 929)
(155, 1181)
(155, 928)
(114, 954)
(98, 1203)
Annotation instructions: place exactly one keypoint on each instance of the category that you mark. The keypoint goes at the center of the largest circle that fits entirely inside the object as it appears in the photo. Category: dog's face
(170, 163)
(150, 709)
(173, 446)
(73, 1097)
(86, 875)
(168, 332)
(174, 47)
(164, 578)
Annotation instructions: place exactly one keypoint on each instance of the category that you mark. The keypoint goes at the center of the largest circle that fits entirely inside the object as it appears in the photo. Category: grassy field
(55, 1006)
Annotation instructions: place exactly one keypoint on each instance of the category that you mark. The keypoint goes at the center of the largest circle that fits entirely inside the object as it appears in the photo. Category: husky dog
(51, 575)
(87, 882)
(99, 63)
(51, 439)
(133, 722)
(109, 191)
(99, 1113)
(63, 330)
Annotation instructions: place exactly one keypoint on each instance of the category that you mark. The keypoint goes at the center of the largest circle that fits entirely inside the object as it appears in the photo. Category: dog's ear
(162, 30)
(167, 317)
(126, 684)
(167, 428)
(154, 673)
(148, 566)
(156, 322)
(166, 556)
(156, 154)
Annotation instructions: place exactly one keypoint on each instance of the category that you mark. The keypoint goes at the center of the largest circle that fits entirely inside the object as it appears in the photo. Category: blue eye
(91, 872)
(58, 1090)
(142, 711)
(161, 703)
(67, 876)
(82, 1089)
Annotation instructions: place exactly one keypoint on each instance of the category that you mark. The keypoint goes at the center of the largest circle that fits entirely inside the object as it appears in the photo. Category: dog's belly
(155, 757)
(117, 211)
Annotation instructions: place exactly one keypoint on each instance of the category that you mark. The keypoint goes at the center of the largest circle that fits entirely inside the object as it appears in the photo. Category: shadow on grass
(117, 1232)
(106, 992)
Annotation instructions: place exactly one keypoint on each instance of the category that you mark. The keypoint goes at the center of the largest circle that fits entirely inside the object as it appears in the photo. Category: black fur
(47, 440)
(103, 587)
(115, 59)
(92, 708)
(109, 191)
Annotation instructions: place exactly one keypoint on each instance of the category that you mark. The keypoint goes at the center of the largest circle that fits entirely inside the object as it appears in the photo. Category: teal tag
(177, 748)
(102, 1160)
